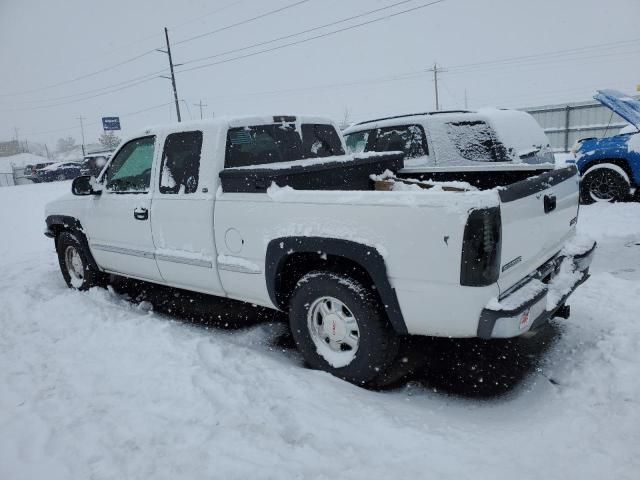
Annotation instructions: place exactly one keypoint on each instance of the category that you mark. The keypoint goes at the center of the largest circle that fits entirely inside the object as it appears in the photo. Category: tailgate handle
(549, 203)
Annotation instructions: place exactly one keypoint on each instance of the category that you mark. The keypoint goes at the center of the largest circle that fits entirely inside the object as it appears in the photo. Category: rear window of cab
(280, 142)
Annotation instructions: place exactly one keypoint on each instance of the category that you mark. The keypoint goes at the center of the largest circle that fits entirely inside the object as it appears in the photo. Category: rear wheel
(603, 185)
(61, 177)
(76, 268)
(340, 327)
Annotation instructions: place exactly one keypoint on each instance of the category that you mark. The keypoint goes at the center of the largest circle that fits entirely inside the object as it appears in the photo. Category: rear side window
(179, 172)
(476, 141)
(357, 141)
(409, 139)
(281, 142)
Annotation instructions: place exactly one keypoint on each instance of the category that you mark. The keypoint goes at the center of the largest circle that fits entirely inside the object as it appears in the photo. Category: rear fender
(365, 256)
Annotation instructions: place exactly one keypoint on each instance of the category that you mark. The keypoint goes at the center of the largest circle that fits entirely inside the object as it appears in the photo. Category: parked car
(93, 163)
(56, 172)
(610, 166)
(271, 211)
(30, 170)
(486, 148)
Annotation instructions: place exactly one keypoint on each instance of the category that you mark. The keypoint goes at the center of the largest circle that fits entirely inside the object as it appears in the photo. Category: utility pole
(15, 129)
(435, 71)
(82, 133)
(200, 104)
(466, 102)
(173, 76)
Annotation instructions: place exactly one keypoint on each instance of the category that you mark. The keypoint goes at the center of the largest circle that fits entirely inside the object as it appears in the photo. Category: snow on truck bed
(94, 386)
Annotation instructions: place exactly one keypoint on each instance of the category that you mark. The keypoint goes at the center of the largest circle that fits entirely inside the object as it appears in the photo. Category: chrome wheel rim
(334, 331)
(601, 189)
(74, 265)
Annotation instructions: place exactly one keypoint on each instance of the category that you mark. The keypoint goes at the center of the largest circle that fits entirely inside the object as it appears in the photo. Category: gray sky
(376, 69)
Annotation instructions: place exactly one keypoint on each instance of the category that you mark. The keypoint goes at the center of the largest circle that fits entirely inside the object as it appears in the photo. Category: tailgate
(538, 215)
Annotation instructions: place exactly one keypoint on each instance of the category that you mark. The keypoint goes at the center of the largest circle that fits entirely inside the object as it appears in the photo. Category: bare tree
(109, 140)
(346, 119)
(65, 144)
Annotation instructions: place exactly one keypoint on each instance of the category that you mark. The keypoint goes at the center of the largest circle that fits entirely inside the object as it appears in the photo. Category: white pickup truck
(271, 211)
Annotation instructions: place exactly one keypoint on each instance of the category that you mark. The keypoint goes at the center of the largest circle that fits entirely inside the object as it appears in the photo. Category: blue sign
(111, 123)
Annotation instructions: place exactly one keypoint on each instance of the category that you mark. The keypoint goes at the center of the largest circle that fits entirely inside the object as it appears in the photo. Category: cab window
(357, 141)
(409, 139)
(281, 142)
(476, 141)
(130, 170)
(179, 171)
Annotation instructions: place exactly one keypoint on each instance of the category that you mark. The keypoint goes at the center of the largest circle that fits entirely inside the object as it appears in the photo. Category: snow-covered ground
(95, 386)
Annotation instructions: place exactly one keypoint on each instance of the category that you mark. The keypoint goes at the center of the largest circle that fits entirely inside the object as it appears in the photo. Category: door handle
(141, 213)
(549, 203)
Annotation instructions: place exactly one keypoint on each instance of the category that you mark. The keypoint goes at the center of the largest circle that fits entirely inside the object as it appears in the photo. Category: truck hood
(624, 105)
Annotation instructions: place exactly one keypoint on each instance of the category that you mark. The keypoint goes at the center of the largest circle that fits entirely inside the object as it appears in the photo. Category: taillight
(481, 247)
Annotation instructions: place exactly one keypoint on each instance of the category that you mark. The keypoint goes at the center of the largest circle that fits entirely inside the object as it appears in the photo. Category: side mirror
(84, 185)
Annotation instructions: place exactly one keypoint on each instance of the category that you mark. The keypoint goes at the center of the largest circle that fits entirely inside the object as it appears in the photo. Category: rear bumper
(538, 300)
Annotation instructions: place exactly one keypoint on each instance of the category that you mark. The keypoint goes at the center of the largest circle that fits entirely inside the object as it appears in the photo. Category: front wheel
(340, 327)
(603, 185)
(61, 177)
(75, 266)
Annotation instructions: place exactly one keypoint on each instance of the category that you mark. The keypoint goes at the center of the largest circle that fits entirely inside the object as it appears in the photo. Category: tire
(603, 185)
(340, 327)
(61, 177)
(76, 268)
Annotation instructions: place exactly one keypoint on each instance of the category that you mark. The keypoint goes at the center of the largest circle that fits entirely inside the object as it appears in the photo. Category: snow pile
(410, 184)
(518, 297)
(578, 245)
(21, 160)
(562, 283)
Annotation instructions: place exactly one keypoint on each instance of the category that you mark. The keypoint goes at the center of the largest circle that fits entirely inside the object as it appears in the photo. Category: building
(9, 148)
(566, 123)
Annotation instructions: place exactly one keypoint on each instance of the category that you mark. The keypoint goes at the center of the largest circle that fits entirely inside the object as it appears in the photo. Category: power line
(130, 114)
(116, 65)
(546, 54)
(132, 59)
(81, 77)
(284, 37)
(41, 107)
(200, 17)
(536, 62)
(312, 38)
(243, 22)
(149, 76)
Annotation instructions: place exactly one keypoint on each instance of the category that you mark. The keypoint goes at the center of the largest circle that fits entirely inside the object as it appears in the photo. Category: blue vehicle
(56, 172)
(610, 167)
